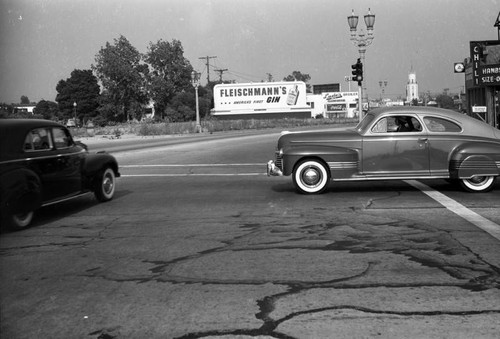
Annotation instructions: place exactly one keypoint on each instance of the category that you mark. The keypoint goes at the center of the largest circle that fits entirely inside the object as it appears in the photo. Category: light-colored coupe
(393, 143)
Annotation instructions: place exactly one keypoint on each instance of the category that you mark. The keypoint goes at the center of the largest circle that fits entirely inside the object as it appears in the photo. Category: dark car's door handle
(422, 139)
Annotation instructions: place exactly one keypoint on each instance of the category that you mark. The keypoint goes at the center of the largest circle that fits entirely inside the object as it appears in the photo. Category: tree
(5, 110)
(25, 100)
(47, 109)
(118, 66)
(81, 88)
(445, 101)
(298, 76)
(170, 73)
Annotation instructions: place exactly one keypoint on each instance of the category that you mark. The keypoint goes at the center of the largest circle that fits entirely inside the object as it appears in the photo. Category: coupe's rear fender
(478, 159)
(20, 192)
(342, 162)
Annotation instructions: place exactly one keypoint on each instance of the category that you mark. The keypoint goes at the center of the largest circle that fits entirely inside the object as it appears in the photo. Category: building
(334, 104)
(26, 108)
(412, 87)
(482, 81)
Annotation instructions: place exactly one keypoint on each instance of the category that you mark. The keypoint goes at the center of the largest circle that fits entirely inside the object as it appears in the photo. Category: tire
(478, 184)
(105, 185)
(17, 222)
(311, 177)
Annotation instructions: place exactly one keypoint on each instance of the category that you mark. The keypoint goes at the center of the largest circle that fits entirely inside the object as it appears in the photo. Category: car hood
(344, 137)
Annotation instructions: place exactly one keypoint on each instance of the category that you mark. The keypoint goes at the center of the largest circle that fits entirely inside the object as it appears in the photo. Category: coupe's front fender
(342, 162)
(95, 163)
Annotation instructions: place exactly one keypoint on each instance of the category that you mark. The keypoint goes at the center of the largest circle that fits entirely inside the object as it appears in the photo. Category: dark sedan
(393, 143)
(41, 164)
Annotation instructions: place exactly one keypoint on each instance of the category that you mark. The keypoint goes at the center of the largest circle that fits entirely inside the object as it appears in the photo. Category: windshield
(363, 124)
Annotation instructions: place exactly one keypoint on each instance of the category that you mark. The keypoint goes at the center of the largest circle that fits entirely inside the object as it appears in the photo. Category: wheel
(19, 221)
(105, 185)
(478, 184)
(311, 177)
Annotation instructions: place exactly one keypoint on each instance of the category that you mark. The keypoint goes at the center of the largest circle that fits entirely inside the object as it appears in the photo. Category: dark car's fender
(94, 164)
(475, 159)
(20, 192)
(342, 162)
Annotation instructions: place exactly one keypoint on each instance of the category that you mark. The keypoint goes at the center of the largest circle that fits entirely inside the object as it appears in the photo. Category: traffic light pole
(360, 101)
(361, 85)
(357, 75)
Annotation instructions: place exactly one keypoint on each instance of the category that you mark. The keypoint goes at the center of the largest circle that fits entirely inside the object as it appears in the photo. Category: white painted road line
(193, 175)
(190, 165)
(481, 222)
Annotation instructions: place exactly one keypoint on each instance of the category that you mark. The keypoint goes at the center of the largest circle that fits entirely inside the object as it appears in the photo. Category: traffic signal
(357, 72)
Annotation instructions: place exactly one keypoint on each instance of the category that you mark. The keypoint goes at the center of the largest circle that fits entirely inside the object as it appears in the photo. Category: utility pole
(208, 65)
(220, 73)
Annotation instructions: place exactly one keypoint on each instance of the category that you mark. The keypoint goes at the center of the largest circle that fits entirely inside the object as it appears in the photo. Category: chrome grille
(279, 161)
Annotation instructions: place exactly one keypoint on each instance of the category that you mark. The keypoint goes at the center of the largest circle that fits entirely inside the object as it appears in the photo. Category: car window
(397, 123)
(380, 126)
(62, 139)
(38, 140)
(441, 125)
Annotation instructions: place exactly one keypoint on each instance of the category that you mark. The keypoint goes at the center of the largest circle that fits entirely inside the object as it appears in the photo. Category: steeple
(412, 86)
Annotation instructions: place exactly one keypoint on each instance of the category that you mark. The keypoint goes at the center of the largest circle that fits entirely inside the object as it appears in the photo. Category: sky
(43, 41)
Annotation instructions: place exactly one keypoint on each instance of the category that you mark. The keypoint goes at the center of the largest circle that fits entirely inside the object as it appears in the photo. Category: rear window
(441, 125)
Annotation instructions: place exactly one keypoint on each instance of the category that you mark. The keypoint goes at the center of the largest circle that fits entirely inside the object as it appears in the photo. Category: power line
(220, 73)
(208, 65)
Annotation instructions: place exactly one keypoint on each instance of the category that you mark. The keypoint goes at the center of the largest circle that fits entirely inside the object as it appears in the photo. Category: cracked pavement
(276, 272)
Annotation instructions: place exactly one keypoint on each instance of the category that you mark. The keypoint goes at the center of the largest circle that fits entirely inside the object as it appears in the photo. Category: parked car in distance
(41, 164)
(393, 143)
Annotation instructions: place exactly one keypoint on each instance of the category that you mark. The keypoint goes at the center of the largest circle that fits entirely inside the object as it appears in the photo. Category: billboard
(260, 96)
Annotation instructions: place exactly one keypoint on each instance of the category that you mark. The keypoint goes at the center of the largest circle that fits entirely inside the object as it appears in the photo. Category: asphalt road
(200, 243)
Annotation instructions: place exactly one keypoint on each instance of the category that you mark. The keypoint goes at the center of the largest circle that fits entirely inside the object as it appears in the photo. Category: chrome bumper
(273, 170)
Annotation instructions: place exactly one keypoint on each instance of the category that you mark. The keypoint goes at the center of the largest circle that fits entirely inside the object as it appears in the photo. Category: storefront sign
(485, 67)
(479, 109)
(336, 108)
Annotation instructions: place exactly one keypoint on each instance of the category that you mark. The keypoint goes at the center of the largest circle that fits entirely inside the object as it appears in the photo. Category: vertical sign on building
(475, 54)
(485, 57)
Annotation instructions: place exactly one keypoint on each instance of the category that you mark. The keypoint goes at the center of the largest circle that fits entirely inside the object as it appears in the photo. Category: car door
(444, 136)
(41, 159)
(70, 158)
(392, 152)
(56, 160)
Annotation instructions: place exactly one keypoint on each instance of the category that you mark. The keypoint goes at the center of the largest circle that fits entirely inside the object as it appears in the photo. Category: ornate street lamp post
(362, 42)
(195, 81)
(74, 110)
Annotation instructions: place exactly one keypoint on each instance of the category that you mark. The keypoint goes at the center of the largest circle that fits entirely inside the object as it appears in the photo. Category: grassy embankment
(208, 126)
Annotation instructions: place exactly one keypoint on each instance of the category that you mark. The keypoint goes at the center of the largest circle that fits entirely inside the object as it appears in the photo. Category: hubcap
(477, 180)
(107, 184)
(311, 176)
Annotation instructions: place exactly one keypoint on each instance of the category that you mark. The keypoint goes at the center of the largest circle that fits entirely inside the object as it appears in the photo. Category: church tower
(412, 87)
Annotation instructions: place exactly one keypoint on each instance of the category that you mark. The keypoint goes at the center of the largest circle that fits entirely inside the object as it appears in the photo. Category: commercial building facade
(482, 81)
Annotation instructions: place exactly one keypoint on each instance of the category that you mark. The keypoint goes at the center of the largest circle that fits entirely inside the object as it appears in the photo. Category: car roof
(13, 132)
(469, 124)
(415, 110)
